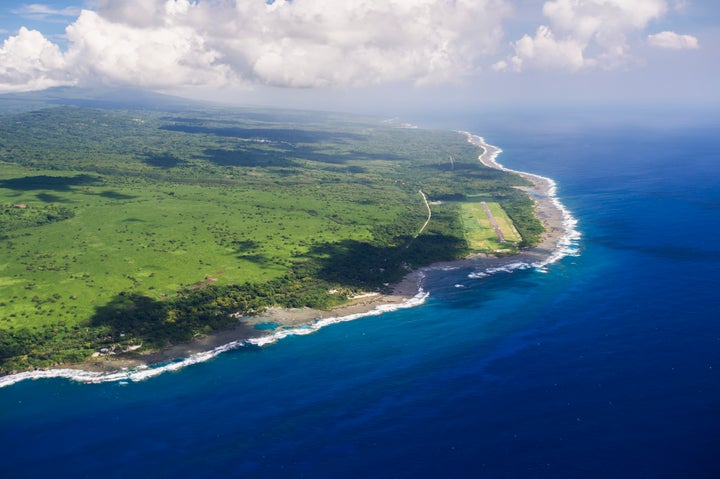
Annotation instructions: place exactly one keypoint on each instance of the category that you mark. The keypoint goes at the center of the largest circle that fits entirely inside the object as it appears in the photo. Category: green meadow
(479, 232)
(122, 228)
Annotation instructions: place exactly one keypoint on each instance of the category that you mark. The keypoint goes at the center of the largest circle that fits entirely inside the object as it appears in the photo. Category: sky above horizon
(366, 54)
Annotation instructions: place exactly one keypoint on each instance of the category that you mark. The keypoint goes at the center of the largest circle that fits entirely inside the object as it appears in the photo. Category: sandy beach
(547, 208)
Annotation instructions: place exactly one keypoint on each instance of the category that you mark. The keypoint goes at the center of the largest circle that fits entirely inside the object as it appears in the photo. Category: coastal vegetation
(134, 229)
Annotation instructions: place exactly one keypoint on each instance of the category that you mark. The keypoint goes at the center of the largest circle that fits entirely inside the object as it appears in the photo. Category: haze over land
(379, 56)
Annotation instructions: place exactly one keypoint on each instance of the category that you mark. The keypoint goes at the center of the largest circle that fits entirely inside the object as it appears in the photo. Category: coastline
(246, 333)
(556, 242)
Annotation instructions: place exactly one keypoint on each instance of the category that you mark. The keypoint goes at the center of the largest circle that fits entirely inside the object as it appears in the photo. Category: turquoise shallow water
(604, 365)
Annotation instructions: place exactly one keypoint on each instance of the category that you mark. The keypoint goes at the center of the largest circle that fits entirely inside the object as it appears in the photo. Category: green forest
(122, 228)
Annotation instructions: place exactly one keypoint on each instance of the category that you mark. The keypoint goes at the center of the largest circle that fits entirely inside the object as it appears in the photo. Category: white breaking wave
(566, 246)
(478, 275)
(144, 372)
(416, 300)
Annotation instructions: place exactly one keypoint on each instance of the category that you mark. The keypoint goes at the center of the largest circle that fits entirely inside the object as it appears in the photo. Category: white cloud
(137, 13)
(320, 43)
(118, 53)
(28, 61)
(545, 51)
(673, 41)
(306, 43)
(299, 43)
(45, 12)
(585, 34)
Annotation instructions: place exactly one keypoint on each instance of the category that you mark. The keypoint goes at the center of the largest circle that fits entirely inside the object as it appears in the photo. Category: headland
(556, 242)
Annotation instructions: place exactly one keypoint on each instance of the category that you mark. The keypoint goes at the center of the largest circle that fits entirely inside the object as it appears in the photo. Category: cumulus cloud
(584, 34)
(137, 13)
(673, 41)
(298, 43)
(306, 43)
(544, 50)
(163, 56)
(320, 43)
(28, 61)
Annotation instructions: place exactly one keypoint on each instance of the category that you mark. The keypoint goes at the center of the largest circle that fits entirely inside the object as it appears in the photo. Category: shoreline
(245, 332)
(556, 242)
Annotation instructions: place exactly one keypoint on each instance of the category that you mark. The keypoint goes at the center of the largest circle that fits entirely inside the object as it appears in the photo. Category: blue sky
(49, 17)
(367, 54)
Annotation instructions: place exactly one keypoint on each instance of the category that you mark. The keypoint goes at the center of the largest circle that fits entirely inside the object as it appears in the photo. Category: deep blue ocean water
(606, 365)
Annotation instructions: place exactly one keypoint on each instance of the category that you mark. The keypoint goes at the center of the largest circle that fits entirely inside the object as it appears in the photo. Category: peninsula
(138, 236)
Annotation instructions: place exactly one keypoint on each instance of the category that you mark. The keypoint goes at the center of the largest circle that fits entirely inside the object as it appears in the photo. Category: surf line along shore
(559, 240)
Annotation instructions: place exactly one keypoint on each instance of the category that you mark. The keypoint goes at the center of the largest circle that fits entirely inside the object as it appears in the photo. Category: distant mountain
(105, 98)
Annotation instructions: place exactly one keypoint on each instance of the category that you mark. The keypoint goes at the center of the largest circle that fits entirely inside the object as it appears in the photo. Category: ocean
(604, 364)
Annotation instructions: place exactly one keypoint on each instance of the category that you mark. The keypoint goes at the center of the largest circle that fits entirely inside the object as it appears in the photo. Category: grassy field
(153, 226)
(157, 240)
(479, 233)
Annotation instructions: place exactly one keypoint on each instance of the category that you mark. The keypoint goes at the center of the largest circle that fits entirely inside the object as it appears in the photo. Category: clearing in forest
(479, 231)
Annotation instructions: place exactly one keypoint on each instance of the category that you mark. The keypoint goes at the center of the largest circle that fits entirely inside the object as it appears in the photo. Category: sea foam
(145, 372)
(567, 245)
